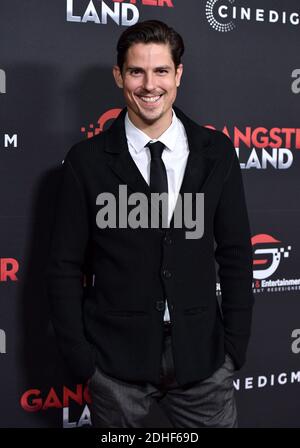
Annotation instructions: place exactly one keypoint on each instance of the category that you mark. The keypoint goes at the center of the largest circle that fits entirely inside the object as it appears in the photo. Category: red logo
(268, 253)
(111, 114)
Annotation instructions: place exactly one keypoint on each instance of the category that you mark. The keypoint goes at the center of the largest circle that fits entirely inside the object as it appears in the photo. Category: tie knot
(156, 149)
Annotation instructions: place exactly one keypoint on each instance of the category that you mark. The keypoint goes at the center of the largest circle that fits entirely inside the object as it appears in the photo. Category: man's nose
(149, 81)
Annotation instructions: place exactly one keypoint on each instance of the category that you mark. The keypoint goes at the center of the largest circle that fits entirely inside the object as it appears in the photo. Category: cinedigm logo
(222, 15)
(213, 9)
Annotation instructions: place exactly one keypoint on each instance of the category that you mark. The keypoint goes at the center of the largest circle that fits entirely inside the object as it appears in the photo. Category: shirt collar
(138, 139)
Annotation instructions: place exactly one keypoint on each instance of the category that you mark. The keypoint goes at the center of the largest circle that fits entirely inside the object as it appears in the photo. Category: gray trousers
(207, 403)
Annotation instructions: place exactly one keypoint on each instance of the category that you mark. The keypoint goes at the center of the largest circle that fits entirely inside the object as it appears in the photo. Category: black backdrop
(241, 75)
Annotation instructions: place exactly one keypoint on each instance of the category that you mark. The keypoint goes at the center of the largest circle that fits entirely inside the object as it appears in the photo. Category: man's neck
(153, 130)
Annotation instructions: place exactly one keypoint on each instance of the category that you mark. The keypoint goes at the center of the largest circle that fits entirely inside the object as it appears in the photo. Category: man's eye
(135, 72)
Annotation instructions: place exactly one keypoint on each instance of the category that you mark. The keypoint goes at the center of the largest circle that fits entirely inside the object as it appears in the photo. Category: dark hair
(147, 32)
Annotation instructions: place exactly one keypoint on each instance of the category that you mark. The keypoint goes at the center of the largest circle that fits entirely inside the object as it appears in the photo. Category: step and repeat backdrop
(241, 76)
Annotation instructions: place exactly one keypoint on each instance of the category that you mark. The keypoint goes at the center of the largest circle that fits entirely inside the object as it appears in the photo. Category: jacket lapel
(200, 163)
(120, 160)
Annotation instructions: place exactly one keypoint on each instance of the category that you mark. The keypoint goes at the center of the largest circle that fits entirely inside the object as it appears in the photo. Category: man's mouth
(150, 99)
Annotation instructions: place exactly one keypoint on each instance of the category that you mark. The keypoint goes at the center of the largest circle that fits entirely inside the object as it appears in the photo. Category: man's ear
(118, 76)
(178, 74)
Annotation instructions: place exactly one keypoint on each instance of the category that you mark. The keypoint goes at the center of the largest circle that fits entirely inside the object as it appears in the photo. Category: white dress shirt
(174, 156)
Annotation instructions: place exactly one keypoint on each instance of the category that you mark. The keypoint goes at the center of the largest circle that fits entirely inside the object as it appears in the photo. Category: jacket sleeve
(234, 256)
(64, 273)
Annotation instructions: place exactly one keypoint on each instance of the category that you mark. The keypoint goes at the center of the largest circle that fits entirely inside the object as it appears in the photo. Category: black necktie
(158, 177)
(158, 174)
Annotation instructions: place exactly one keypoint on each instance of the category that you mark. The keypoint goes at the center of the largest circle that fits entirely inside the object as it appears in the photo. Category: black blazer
(117, 324)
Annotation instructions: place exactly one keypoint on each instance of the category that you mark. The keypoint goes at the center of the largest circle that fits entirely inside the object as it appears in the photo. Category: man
(150, 327)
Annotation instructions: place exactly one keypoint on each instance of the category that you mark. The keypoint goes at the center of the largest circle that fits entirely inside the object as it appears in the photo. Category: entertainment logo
(268, 254)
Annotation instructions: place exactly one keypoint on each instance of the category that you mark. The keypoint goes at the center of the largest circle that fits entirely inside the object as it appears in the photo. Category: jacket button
(168, 240)
(160, 305)
(166, 273)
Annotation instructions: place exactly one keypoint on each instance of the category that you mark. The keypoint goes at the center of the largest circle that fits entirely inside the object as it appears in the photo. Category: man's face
(149, 81)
